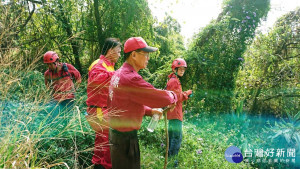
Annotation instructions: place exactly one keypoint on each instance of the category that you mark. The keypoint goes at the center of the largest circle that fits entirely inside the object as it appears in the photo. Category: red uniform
(97, 91)
(61, 82)
(131, 97)
(175, 85)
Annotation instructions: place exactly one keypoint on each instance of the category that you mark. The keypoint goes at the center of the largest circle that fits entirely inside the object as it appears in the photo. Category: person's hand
(189, 92)
(157, 111)
(172, 106)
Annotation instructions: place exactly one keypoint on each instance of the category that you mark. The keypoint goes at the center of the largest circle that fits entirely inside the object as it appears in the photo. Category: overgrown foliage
(226, 70)
(171, 46)
(217, 51)
(268, 81)
(74, 29)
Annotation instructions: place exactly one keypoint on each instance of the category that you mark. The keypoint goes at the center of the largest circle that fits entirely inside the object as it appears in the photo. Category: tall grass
(29, 136)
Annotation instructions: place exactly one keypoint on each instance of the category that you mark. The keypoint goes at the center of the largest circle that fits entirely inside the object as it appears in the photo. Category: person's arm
(148, 111)
(74, 73)
(144, 93)
(174, 86)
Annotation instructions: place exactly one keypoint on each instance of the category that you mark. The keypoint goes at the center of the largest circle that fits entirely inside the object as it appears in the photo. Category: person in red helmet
(100, 73)
(130, 98)
(175, 116)
(59, 78)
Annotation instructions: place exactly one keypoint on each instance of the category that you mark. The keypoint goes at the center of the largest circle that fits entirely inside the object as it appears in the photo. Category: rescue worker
(100, 73)
(59, 78)
(175, 116)
(131, 97)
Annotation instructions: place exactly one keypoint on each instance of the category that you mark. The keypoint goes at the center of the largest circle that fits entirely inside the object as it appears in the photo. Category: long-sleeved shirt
(130, 98)
(98, 82)
(175, 86)
(61, 82)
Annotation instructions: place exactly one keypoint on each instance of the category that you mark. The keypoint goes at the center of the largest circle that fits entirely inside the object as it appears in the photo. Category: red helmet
(178, 63)
(50, 57)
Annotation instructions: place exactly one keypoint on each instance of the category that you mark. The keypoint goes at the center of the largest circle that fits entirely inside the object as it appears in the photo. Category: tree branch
(35, 2)
(29, 17)
(281, 95)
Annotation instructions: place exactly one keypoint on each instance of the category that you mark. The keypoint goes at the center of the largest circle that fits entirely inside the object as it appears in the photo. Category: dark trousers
(175, 136)
(124, 149)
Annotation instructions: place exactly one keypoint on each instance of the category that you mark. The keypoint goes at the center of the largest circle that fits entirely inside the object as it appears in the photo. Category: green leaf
(235, 19)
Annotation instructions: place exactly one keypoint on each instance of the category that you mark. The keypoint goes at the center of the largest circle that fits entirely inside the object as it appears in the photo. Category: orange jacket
(175, 86)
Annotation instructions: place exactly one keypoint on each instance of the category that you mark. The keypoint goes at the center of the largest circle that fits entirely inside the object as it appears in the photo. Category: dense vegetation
(246, 83)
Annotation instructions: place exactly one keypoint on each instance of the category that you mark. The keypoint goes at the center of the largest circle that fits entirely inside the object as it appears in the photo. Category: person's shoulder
(173, 80)
(71, 67)
(93, 64)
(100, 61)
(137, 80)
(98, 66)
(124, 70)
(128, 76)
(68, 64)
(173, 83)
(135, 77)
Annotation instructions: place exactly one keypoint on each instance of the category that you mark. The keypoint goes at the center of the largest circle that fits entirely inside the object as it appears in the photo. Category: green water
(254, 135)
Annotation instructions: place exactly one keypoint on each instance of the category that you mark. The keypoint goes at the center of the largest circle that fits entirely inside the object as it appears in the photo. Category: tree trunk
(253, 108)
(98, 24)
(68, 28)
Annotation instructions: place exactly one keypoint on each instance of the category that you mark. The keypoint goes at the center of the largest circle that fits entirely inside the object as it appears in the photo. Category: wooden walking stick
(167, 136)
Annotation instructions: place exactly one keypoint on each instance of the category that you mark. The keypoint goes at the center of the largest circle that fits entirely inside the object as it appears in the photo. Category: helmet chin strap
(176, 71)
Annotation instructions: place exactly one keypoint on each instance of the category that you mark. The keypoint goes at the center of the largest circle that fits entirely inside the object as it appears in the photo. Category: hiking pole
(152, 126)
(167, 136)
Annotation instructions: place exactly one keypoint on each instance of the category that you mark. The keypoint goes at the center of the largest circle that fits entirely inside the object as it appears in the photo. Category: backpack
(65, 69)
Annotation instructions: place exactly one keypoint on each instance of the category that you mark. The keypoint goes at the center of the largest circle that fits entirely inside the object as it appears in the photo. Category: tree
(216, 53)
(122, 19)
(171, 46)
(272, 69)
(75, 29)
(14, 18)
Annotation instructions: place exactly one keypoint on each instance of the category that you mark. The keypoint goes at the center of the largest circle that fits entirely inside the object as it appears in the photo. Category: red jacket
(61, 82)
(130, 98)
(98, 82)
(174, 85)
